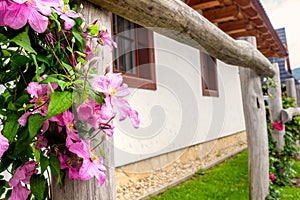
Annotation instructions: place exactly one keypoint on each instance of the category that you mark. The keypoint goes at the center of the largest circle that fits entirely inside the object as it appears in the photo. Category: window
(134, 56)
(209, 75)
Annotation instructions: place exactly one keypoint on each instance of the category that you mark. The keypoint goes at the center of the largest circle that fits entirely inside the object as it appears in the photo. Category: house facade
(189, 103)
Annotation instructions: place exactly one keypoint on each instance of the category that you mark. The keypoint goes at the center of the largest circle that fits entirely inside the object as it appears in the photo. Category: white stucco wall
(177, 115)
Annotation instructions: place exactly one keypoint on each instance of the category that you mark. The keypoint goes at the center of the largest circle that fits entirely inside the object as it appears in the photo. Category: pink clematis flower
(67, 15)
(3, 143)
(92, 165)
(41, 96)
(19, 12)
(96, 116)
(72, 163)
(115, 90)
(279, 125)
(41, 141)
(69, 123)
(22, 176)
(105, 39)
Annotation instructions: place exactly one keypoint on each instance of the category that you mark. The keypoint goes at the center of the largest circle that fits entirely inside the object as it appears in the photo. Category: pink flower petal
(3, 8)
(23, 119)
(19, 192)
(16, 15)
(69, 23)
(38, 22)
(3, 144)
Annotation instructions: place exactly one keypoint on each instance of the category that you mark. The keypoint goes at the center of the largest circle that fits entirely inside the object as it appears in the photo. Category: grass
(291, 193)
(228, 180)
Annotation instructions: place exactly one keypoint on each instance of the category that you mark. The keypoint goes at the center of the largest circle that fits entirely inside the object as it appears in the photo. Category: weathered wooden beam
(275, 105)
(88, 190)
(175, 19)
(288, 114)
(256, 128)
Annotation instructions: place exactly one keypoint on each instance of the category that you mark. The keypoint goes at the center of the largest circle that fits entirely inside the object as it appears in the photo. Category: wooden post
(291, 88)
(298, 94)
(275, 104)
(88, 190)
(255, 119)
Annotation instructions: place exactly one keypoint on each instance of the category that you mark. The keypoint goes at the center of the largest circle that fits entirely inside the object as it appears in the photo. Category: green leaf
(62, 84)
(80, 96)
(2, 37)
(36, 153)
(18, 60)
(11, 127)
(43, 59)
(69, 68)
(78, 36)
(55, 167)
(59, 102)
(23, 40)
(94, 30)
(35, 123)
(44, 162)
(38, 185)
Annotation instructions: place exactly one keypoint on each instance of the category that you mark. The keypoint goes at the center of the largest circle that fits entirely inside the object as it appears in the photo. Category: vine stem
(62, 66)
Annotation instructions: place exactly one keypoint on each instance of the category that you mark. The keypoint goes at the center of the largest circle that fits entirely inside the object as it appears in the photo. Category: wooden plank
(88, 190)
(222, 14)
(291, 88)
(206, 4)
(275, 104)
(182, 23)
(256, 127)
(235, 26)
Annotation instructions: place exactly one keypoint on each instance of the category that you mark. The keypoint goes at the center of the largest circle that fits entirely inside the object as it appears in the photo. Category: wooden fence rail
(288, 114)
(175, 19)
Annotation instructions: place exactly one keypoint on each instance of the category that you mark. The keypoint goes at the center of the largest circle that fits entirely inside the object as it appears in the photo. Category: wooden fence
(170, 17)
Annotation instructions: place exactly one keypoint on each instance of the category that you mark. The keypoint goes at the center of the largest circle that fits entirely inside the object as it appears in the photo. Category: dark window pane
(134, 56)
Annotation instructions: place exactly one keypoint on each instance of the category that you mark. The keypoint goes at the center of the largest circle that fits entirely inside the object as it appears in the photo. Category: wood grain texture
(291, 88)
(88, 190)
(175, 19)
(275, 104)
(256, 127)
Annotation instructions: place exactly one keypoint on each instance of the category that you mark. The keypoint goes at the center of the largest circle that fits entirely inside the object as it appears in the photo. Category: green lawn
(291, 193)
(228, 180)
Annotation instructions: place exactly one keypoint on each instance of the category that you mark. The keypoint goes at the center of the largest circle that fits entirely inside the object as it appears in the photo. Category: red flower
(272, 177)
(279, 125)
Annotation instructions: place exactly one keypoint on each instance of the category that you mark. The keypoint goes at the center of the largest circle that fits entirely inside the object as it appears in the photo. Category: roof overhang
(240, 18)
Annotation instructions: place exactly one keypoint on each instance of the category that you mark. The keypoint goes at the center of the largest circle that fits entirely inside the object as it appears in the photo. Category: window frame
(134, 80)
(209, 90)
